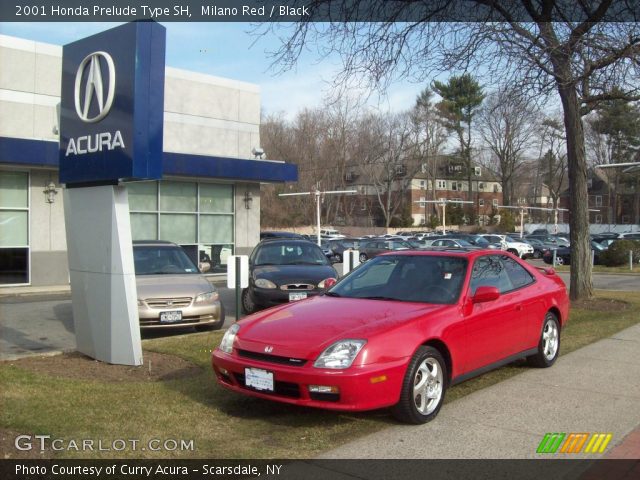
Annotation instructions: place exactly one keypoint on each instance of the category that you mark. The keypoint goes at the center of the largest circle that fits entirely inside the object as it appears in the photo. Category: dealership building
(208, 200)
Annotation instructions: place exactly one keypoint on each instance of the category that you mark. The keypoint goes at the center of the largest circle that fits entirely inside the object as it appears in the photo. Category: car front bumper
(192, 315)
(270, 297)
(359, 388)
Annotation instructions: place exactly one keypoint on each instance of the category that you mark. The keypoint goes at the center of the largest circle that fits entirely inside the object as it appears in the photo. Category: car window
(517, 273)
(489, 271)
(408, 278)
(301, 253)
(162, 260)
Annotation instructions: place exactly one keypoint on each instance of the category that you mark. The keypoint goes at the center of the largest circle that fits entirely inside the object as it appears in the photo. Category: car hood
(306, 328)
(171, 286)
(283, 274)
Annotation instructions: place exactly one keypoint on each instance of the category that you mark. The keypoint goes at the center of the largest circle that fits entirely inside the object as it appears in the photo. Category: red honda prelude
(397, 332)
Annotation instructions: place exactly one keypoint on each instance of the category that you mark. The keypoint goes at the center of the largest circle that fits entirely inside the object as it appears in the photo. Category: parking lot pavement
(595, 389)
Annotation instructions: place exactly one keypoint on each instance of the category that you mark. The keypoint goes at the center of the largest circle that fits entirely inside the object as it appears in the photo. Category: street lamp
(318, 195)
(442, 203)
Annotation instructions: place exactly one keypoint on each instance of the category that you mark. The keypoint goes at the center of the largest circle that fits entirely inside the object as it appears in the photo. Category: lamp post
(318, 195)
(442, 203)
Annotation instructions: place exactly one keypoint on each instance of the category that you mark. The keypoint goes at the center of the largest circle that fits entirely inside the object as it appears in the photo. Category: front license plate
(170, 317)
(293, 297)
(258, 379)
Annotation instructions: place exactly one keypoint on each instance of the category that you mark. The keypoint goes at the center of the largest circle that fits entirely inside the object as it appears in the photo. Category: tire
(338, 258)
(363, 258)
(248, 305)
(549, 343)
(416, 407)
(537, 254)
(559, 261)
(213, 326)
(513, 251)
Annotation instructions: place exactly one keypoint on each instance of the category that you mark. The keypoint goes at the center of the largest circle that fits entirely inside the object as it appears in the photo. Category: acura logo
(94, 87)
(268, 349)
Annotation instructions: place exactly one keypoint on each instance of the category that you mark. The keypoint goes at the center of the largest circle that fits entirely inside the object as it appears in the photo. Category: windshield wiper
(332, 294)
(378, 297)
(302, 263)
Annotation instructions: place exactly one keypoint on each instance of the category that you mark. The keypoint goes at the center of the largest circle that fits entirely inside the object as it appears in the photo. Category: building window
(14, 234)
(442, 185)
(454, 186)
(423, 184)
(481, 186)
(481, 202)
(477, 171)
(198, 216)
(495, 202)
(598, 218)
(598, 200)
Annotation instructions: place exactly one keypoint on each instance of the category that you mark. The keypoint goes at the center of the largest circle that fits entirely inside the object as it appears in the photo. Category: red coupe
(397, 331)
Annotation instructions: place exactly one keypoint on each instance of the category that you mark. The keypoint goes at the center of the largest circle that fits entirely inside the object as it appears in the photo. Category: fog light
(223, 371)
(323, 389)
(381, 378)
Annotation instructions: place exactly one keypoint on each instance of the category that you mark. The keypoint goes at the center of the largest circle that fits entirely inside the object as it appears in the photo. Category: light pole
(318, 195)
(442, 203)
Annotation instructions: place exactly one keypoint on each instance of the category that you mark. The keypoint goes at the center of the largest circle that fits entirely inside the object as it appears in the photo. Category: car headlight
(140, 303)
(207, 297)
(264, 283)
(340, 355)
(226, 344)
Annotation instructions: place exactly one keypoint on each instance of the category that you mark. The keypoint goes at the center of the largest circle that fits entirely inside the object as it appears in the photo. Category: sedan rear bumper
(359, 388)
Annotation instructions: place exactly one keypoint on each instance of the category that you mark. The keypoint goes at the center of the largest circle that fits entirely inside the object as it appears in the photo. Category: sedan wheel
(559, 261)
(423, 387)
(549, 344)
(537, 254)
(363, 258)
(248, 305)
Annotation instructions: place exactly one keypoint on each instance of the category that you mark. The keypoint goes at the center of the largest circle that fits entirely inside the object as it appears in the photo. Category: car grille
(283, 389)
(168, 302)
(298, 286)
(294, 362)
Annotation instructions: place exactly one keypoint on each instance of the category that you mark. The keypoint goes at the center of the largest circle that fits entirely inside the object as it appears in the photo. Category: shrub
(618, 253)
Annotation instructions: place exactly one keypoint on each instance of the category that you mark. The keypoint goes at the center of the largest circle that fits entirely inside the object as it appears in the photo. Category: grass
(603, 269)
(222, 424)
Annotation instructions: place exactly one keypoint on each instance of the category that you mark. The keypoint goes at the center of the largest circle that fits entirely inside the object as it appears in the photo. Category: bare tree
(541, 45)
(391, 161)
(429, 139)
(507, 125)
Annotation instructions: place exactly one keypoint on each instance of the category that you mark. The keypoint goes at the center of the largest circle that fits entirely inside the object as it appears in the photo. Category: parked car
(271, 234)
(540, 246)
(330, 233)
(556, 241)
(339, 245)
(285, 270)
(563, 254)
(451, 243)
(511, 245)
(172, 292)
(475, 240)
(397, 332)
(372, 248)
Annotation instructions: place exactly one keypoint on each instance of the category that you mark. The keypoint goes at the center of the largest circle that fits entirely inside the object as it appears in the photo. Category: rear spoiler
(547, 270)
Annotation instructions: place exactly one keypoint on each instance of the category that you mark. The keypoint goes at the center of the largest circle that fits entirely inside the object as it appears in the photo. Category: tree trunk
(580, 284)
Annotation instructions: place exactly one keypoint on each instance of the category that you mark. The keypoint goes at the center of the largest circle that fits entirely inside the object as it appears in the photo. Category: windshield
(162, 260)
(405, 278)
(301, 253)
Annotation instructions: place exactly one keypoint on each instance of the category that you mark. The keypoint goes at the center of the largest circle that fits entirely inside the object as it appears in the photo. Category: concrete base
(103, 284)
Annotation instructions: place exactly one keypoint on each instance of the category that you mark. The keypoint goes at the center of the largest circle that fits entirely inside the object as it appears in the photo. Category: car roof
(286, 240)
(158, 243)
(467, 252)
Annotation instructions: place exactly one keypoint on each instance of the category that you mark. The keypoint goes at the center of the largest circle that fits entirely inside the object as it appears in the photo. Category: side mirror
(485, 294)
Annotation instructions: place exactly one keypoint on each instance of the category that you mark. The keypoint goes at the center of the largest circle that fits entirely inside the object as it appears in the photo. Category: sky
(230, 50)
